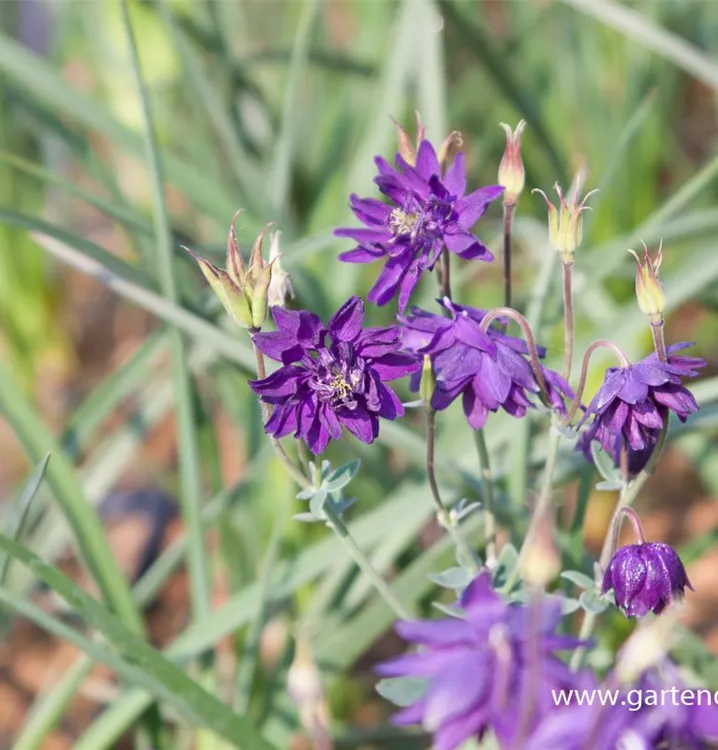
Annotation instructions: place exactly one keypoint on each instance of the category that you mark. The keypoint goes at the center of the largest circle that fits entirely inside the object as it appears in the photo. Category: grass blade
(88, 530)
(188, 455)
(18, 512)
(636, 26)
(156, 673)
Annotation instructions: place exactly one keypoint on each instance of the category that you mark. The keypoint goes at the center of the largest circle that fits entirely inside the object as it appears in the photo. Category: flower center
(339, 385)
(401, 222)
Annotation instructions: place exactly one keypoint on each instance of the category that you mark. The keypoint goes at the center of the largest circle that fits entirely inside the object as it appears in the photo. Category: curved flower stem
(629, 492)
(568, 332)
(488, 496)
(443, 515)
(334, 520)
(509, 209)
(625, 362)
(659, 342)
(508, 312)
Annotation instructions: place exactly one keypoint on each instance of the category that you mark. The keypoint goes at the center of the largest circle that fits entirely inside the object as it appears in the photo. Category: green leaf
(153, 670)
(580, 579)
(453, 578)
(593, 602)
(341, 476)
(604, 464)
(402, 691)
(19, 509)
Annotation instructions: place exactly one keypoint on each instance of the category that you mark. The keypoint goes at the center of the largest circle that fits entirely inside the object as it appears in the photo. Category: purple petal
(455, 178)
(362, 254)
(393, 366)
(359, 423)
(346, 322)
(362, 235)
(472, 206)
(427, 163)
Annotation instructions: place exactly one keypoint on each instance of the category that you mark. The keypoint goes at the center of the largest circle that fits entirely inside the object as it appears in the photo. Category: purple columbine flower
(645, 578)
(494, 668)
(633, 401)
(333, 376)
(488, 369)
(427, 211)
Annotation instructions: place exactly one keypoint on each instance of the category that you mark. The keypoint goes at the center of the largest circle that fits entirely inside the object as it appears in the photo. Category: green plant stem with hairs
(334, 519)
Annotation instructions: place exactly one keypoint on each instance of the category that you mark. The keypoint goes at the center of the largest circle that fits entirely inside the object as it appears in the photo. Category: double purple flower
(427, 211)
(489, 369)
(494, 668)
(633, 402)
(645, 578)
(332, 376)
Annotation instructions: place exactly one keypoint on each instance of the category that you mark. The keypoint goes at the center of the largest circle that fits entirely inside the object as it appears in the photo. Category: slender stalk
(568, 331)
(623, 358)
(508, 312)
(488, 495)
(336, 523)
(334, 520)
(282, 454)
(659, 342)
(509, 209)
(445, 274)
(445, 518)
(629, 492)
(545, 496)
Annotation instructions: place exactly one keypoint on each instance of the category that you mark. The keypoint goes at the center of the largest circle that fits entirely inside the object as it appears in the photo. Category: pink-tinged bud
(541, 561)
(453, 143)
(406, 148)
(280, 287)
(565, 224)
(243, 291)
(649, 291)
(511, 168)
(232, 296)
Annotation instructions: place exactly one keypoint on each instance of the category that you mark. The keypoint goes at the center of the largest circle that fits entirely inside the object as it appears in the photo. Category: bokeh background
(277, 108)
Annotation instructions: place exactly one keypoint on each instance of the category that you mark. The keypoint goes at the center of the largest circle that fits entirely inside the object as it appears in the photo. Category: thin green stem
(546, 488)
(445, 274)
(443, 515)
(629, 492)
(282, 454)
(568, 330)
(336, 523)
(488, 495)
(509, 209)
(659, 342)
(334, 520)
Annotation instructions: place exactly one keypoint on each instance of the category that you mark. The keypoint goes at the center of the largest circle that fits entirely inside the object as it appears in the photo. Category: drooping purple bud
(645, 578)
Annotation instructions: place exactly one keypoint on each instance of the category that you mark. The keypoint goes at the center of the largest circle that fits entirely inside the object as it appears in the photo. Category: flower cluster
(332, 376)
(497, 669)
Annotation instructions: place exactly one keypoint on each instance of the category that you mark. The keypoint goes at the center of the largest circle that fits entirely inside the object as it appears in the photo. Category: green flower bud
(565, 224)
(649, 291)
(511, 168)
(427, 384)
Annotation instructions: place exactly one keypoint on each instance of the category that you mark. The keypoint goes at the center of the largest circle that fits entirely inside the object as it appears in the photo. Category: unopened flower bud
(511, 168)
(453, 143)
(647, 647)
(241, 290)
(649, 291)
(304, 686)
(565, 224)
(427, 385)
(406, 148)
(280, 287)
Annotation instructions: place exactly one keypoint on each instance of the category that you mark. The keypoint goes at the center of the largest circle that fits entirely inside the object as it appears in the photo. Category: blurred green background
(115, 356)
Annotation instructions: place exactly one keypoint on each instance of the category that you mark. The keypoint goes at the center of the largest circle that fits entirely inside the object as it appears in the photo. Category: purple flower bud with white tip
(645, 578)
